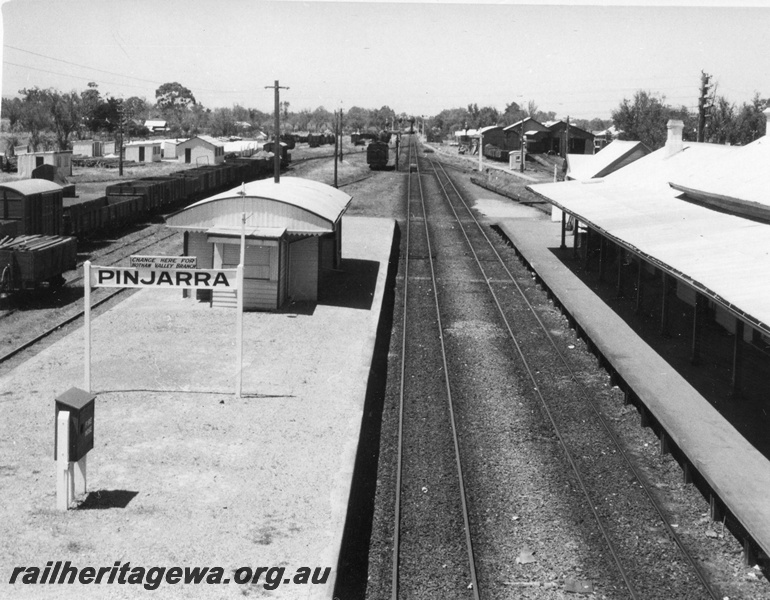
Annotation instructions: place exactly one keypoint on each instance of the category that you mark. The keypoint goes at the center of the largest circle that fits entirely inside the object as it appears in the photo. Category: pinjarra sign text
(207, 279)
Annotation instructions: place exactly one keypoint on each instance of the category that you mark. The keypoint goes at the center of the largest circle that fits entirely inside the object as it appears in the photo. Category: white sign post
(168, 272)
(65, 484)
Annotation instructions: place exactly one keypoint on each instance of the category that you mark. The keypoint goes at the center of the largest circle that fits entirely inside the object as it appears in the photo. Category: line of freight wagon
(37, 207)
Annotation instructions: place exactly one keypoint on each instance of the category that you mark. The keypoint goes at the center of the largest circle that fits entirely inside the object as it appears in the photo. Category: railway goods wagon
(289, 140)
(35, 204)
(495, 153)
(83, 218)
(285, 156)
(377, 155)
(29, 260)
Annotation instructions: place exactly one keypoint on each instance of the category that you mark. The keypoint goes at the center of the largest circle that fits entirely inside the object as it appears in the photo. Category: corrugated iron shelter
(293, 230)
(201, 149)
(142, 151)
(62, 160)
(87, 148)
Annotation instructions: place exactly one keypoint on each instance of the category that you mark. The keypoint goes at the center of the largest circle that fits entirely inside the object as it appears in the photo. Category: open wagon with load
(29, 261)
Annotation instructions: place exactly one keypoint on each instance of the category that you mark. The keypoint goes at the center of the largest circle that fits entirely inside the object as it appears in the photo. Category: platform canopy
(723, 256)
(300, 206)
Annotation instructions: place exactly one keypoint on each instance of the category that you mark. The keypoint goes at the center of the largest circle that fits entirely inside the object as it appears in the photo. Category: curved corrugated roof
(31, 186)
(318, 199)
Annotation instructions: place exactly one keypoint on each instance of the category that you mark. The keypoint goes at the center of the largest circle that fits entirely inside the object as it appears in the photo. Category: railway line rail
(554, 498)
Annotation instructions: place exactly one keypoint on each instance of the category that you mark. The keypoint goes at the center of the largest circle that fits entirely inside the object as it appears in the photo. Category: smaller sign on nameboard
(164, 262)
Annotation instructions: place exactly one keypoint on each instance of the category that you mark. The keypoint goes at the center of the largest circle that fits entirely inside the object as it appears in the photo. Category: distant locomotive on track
(377, 155)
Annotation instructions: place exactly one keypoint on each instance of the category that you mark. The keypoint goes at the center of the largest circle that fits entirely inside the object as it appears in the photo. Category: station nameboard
(207, 279)
(164, 262)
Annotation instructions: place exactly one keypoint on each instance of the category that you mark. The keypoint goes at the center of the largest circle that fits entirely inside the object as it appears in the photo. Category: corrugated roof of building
(588, 166)
(717, 253)
(312, 197)
(206, 138)
(740, 175)
(31, 186)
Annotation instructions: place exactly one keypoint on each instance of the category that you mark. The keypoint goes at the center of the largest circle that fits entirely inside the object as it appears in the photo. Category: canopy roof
(721, 255)
(301, 206)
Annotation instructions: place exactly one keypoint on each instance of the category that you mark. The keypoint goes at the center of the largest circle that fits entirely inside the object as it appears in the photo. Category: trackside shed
(292, 231)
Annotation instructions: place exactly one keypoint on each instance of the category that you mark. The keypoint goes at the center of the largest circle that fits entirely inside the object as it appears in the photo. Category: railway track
(575, 506)
(432, 529)
(36, 318)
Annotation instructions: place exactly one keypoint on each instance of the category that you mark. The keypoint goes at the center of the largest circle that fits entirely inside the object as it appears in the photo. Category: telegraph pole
(702, 106)
(340, 135)
(277, 142)
(121, 114)
(336, 124)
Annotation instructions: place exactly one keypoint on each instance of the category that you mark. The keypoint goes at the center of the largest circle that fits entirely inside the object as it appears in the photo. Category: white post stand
(239, 333)
(65, 486)
(80, 476)
(87, 324)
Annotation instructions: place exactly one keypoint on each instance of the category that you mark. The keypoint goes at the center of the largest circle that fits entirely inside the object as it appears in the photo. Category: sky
(577, 60)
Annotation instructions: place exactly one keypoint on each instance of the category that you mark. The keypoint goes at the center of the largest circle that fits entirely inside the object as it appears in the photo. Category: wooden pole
(87, 322)
(336, 157)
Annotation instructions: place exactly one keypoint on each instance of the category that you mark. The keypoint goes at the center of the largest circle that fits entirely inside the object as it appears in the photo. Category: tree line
(641, 118)
(48, 119)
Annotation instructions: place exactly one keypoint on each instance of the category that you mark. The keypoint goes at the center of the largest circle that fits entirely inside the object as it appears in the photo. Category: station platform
(184, 473)
(736, 472)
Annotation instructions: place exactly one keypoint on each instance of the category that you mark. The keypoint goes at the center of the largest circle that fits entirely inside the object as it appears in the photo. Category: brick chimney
(674, 139)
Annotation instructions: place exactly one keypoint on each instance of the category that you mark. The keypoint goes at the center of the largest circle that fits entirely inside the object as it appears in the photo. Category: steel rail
(29, 343)
(455, 436)
(399, 460)
(583, 392)
(51, 330)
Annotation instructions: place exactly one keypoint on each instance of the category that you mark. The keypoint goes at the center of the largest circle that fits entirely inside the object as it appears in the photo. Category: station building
(293, 230)
(685, 232)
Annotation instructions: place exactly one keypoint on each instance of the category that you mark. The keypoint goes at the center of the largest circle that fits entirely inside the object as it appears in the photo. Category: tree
(173, 96)
(358, 118)
(35, 114)
(644, 119)
(11, 110)
(513, 113)
(750, 122)
(65, 113)
(487, 115)
(90, 99)
(222, 122)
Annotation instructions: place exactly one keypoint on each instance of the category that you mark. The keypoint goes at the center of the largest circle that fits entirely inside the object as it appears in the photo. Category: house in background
(30, 161)
(142, 152)
(87, 148)
(156, 126)
(201, 150)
